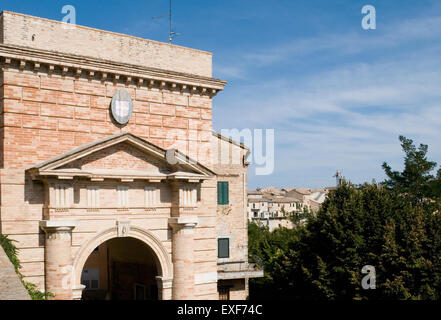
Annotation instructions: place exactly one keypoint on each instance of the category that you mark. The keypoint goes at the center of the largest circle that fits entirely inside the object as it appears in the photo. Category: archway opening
(120, 269)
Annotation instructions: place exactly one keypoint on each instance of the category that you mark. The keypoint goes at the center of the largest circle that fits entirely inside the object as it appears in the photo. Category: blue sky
(336, 95)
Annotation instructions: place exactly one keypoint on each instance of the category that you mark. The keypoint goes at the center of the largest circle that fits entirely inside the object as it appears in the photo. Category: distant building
(273, 207)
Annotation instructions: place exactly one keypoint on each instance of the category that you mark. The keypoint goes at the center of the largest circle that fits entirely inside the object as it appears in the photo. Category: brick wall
(51, 115)
(18, 29)
(44, 114)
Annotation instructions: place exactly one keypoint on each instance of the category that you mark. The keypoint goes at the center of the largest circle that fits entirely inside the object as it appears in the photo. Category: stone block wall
(35, 32)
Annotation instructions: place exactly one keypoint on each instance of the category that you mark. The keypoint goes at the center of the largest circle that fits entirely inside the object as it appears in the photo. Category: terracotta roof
(305, 191)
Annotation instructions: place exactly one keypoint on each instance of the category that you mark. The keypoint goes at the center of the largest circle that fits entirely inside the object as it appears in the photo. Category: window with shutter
(222, 192)
(223, 248)
(219, 192)
(225, 192)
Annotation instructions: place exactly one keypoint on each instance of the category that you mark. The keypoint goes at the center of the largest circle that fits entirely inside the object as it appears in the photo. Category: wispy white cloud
(347, 117)
(392, 36)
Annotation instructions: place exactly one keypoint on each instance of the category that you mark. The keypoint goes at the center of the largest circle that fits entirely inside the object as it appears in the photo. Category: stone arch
(163, 263)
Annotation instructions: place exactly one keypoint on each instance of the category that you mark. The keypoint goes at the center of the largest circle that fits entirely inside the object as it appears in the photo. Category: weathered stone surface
(11, 288)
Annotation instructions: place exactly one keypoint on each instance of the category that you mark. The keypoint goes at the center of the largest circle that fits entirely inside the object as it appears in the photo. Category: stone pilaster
(183, 256)
(164, 288)
(58, 258)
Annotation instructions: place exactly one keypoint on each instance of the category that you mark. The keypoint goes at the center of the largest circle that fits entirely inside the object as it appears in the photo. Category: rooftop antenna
(171, 33)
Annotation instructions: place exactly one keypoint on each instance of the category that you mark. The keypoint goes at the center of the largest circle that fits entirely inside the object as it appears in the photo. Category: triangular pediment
(122, 156)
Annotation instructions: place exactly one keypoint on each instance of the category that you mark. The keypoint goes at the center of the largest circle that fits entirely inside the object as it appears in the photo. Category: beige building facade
(109, 179)
(272, 207)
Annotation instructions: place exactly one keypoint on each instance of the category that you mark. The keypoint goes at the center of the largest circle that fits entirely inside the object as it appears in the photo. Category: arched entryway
(120, 269)
(136, 266)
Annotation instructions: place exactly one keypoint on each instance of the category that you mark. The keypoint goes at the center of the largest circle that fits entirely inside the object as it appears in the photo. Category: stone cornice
(52, 166)
(68, 65)
(118, 175)
(58, 225)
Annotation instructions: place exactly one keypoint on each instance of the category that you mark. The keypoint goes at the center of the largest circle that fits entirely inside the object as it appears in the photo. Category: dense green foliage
(394, 226)
(11, 251)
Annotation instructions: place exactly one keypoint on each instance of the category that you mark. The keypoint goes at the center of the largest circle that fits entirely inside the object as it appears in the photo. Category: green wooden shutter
(223, 248)
(219, 192)
(222, 192)
(225, 193)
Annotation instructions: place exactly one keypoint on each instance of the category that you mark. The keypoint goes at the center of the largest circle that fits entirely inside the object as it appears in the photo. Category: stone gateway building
(110, 179)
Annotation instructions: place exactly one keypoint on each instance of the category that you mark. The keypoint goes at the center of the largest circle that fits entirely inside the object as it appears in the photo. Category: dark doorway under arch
(120, 269)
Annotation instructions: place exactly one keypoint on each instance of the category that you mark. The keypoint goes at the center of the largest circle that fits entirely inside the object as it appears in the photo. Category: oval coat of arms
(121, 106)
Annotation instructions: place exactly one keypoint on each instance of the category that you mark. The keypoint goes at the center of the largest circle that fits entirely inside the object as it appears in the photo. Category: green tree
(416, 179)
(394, 226)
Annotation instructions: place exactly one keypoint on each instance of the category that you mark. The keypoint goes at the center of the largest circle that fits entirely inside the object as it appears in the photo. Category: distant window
(262, 215)
(222, 192)
(254, 206)
(90, 278)
(223, 248)
(255, 214)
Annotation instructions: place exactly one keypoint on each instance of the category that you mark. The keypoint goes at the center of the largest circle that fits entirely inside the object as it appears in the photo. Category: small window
(222, 192)
(223, 248)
